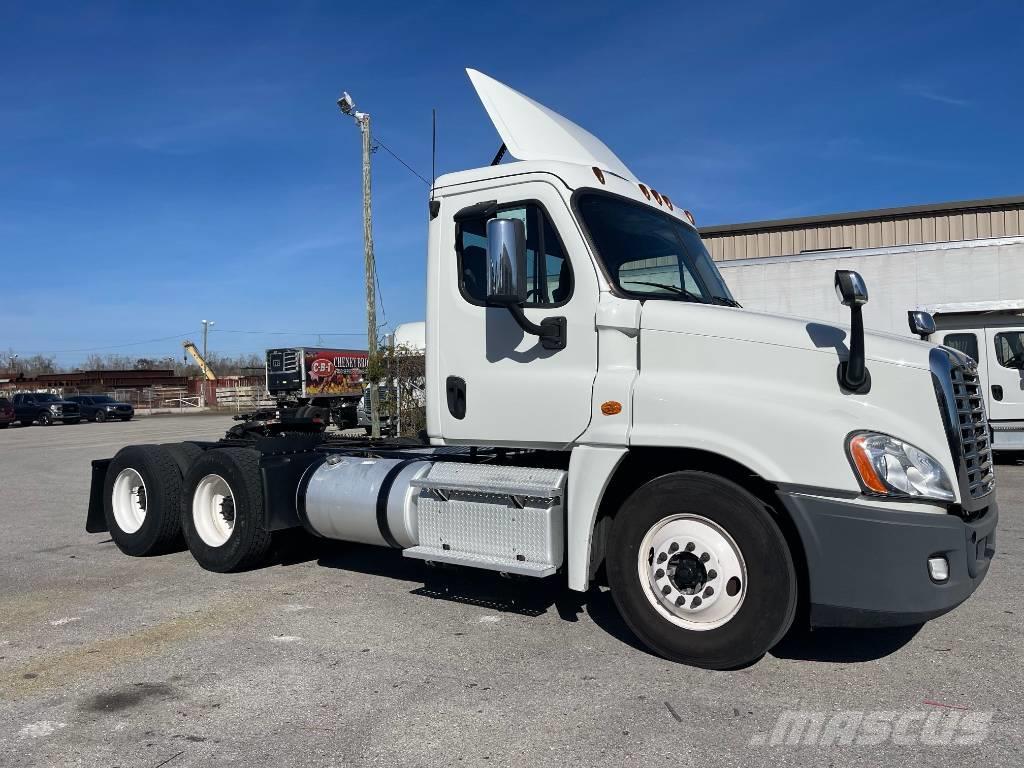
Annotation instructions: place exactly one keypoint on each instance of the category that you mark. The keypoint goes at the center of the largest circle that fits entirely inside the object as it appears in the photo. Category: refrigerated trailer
(973, 288)
(325, 384)
(601, 411)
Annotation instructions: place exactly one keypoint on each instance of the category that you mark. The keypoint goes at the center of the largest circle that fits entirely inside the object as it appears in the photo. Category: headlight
(890, 467)
(55, 408)
(111, 407)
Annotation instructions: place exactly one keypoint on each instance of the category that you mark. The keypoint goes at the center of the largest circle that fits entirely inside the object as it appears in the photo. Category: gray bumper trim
(868, 565)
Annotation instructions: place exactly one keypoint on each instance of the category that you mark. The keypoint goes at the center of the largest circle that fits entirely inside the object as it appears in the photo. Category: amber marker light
(865, 467)
(611, 407)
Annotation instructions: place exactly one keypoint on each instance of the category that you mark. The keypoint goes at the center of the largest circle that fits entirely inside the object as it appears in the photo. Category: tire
(99, 416)
(220, 543)
(694, 521)
(159, 529)
(45, 419)
(184, 455)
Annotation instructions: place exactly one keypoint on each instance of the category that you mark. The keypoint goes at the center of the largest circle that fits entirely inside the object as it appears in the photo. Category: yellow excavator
(190, 347)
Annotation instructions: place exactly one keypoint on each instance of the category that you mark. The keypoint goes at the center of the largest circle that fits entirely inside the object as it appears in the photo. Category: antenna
(433, 150)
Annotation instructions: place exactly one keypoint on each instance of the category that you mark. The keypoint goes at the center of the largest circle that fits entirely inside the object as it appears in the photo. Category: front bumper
(867, 566)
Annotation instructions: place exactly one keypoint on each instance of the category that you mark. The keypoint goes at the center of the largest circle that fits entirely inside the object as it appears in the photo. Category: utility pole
(206, 367)
(347, 106)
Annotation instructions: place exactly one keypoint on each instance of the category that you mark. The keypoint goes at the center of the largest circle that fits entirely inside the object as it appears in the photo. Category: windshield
(47, 398)
(648, 254)
(97, 399)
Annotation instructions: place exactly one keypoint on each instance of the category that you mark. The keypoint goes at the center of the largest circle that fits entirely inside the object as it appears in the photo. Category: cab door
(1005, 352)
(497, 384)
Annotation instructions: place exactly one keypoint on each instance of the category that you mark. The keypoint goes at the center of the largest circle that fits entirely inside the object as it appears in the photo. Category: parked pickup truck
(44, 408)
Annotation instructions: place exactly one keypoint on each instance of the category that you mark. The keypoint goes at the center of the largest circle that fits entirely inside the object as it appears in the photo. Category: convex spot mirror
(506, 262)
(921, 323)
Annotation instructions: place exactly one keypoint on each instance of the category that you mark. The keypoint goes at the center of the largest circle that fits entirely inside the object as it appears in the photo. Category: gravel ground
(348, 655)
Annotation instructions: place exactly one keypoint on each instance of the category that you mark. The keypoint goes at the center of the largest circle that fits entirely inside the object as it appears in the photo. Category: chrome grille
(975, 440)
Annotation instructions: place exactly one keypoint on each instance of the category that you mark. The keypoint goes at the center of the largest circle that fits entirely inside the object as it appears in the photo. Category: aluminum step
(500, 518)
(520, 568)
(532, 482)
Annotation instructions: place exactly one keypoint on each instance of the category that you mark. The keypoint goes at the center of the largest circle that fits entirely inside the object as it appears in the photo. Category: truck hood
(780, 330)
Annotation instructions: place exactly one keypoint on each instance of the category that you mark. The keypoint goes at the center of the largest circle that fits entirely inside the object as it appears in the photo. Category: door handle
(997, 392)
(456, 389)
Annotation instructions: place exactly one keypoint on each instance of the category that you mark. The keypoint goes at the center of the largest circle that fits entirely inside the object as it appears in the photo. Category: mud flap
(96, 521)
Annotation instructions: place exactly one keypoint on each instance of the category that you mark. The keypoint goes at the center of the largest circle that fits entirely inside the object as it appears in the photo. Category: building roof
(855, 216)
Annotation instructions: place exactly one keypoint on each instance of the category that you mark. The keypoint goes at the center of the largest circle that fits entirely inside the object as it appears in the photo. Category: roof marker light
(656, 195)
(668, 202)
(690, 217)
(644, 190)
(599, 174)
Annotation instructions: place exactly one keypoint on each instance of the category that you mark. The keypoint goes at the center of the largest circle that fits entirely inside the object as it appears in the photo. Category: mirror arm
(853, 374)
(552, 330)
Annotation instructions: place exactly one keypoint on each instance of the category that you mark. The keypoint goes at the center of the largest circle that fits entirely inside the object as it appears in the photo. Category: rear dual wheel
(700, 571)
(222, 510)
(142, 495)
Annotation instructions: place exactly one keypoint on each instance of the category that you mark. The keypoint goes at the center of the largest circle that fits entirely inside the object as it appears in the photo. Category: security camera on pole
(348, 107)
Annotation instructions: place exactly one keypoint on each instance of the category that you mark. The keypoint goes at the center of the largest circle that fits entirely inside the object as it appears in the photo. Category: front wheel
(44, 419)
(222, 510)
(99, 416)
(700, 571)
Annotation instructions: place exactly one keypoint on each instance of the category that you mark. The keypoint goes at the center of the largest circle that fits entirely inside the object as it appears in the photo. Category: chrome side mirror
(921, 323)
(506, 262)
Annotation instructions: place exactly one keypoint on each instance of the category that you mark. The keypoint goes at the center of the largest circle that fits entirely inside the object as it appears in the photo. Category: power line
(111, 346)
(290, 333)
(413, 171)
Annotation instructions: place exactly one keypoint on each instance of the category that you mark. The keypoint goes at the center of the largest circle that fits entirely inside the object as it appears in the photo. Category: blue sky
(161, 163)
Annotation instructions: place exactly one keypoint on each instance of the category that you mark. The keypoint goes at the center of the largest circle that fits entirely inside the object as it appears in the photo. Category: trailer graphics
(599, 409)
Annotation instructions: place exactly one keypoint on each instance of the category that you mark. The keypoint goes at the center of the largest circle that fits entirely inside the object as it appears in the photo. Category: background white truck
(599, 410)
(974, 289)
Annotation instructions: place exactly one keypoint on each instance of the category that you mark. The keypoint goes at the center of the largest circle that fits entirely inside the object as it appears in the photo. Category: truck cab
(992, 334)
(601, 410)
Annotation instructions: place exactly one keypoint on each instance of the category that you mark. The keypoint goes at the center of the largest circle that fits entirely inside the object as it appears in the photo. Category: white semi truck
(599, 410)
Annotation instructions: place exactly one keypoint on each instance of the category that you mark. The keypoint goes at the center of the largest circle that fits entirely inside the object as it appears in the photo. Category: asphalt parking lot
(344, 655)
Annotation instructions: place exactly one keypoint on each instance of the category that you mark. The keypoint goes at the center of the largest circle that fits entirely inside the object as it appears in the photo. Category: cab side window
(548, 272)
(963, 342)
(1010, 349)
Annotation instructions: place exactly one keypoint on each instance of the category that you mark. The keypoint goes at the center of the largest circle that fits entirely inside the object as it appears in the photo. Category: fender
(590, 470)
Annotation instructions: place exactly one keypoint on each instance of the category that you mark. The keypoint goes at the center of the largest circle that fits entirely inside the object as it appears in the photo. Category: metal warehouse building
(916, 257)
(885, 227)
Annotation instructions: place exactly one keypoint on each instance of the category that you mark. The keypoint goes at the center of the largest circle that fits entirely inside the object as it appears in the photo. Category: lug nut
(659, 574)
(662, 557)
(705, 557)
(696, 601)
(690, 547)
(712, 574)
(708, 592)
(673, 547)
(681, 601)
(666, 589)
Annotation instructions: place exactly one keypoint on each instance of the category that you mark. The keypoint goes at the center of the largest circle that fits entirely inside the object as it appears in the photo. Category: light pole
(348, 107)
(206, 366)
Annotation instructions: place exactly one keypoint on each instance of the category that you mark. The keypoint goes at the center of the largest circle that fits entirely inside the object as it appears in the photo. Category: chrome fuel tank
(369, 500)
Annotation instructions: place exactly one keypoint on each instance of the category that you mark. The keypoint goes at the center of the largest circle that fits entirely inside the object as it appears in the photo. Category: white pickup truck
(600, 410)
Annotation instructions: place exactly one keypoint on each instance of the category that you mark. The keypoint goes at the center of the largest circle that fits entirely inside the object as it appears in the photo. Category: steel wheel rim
(129, 500)
(692, 572)
(213, 510)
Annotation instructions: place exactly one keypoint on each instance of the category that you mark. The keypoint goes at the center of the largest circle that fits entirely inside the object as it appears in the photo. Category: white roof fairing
(531, 131)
